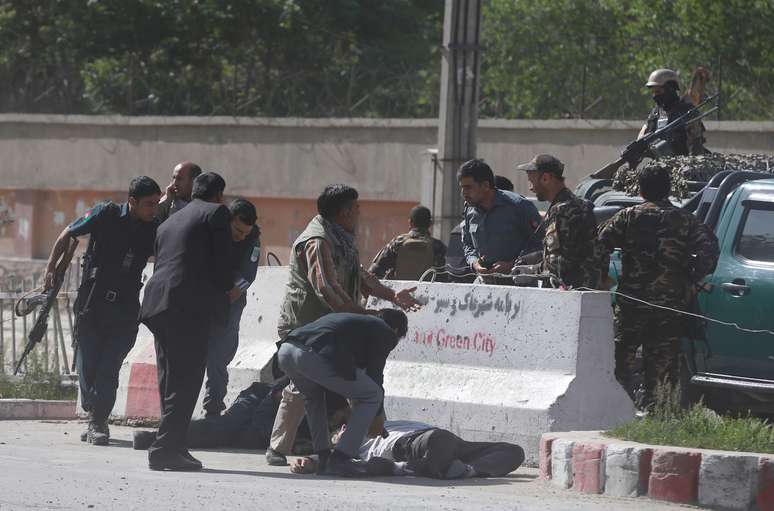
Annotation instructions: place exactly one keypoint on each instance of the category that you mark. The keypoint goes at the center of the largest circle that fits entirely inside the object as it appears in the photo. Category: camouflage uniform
(570, 248)
(665, 251)
(383, 265)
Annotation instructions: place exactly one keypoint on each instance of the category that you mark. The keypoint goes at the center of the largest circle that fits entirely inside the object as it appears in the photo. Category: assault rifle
(635, 151)
(45, 300)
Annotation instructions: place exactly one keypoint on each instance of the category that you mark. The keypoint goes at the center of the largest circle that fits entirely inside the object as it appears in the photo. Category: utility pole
(458, 116)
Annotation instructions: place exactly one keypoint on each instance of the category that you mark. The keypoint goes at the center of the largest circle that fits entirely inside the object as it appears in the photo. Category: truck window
(756, 241)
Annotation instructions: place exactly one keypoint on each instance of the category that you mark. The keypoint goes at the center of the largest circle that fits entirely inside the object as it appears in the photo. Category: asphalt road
(43, 465)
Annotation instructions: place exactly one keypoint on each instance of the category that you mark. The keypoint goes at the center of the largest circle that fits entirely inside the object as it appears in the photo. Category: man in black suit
(193, 271)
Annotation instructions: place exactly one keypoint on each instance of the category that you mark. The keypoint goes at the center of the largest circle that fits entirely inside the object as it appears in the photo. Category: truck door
(743, 290)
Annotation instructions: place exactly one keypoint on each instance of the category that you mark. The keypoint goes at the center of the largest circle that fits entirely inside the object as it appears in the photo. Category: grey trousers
(312, 374)
(221, 347)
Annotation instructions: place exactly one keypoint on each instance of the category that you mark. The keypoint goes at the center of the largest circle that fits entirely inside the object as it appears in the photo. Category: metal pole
(458, 113)
(2, 335)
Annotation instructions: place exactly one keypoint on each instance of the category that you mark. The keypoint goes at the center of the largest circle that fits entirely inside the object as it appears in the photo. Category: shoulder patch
(256, 253)
(89, 216)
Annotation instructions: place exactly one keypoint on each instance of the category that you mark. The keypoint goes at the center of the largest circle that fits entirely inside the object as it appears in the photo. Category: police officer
(224, 338)
(570, 249)
(409, 255)
(665, 252)
(684, 141)
(121, 240)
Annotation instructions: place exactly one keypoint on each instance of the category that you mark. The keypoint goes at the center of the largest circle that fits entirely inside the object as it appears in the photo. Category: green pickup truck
(730, 367)
(741, 292)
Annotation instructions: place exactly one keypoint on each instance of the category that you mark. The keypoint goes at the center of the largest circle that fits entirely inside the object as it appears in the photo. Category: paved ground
(43, 465)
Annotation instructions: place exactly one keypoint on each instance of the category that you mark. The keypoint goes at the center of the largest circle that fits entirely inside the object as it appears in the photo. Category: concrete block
(36, 409)
(561, 463)
(674, 476)
(728, 481)
(765, 494)
(588, 467)
(551, 375)
(622, 470)
(545, 455)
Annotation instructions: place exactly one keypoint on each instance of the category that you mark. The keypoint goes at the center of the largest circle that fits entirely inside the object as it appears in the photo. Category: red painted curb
(142, 395)
(544, 455)
(587, 460)
(674, 476)
(765, 497)
(646, 457)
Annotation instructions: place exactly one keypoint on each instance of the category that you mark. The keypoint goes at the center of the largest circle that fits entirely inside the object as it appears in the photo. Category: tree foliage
(371, 58)
(591, 58)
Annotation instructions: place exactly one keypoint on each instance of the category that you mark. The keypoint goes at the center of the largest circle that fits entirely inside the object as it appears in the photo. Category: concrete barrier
(486, 362)
(503, 363)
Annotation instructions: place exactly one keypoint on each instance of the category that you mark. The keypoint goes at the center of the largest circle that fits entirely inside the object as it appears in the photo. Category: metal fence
(54, 354)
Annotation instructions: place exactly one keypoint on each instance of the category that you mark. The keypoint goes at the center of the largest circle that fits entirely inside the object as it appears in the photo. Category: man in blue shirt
(499, 225)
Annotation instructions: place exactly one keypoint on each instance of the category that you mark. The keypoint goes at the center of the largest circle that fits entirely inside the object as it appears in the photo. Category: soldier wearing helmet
(664, 88)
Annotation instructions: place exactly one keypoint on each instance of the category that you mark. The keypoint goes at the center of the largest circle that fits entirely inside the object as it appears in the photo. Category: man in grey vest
(325, 276)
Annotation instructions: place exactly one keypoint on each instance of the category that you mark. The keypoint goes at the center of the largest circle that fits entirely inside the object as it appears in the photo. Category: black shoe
(341, 465)
(275, 459)
(141, 440)
(173, 461)
(187, 455)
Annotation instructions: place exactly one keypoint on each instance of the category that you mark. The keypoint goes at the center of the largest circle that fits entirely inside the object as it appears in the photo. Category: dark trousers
(430, 453)
(104, 340)
(181, 357)
(222, 346)
(246, 424)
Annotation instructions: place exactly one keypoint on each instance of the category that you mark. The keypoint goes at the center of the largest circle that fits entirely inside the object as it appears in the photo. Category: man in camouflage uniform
(571, 253)
(409, 255)
(665, 252)
(664, 89)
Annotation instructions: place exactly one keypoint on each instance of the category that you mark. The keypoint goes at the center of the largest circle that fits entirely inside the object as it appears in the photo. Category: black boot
(98, 432)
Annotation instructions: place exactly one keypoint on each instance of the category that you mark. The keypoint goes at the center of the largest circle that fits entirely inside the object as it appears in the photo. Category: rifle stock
(608, 171)
(41, 323)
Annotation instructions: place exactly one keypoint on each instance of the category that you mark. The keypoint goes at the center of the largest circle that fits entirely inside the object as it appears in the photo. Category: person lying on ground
(415, 448)
(248, 422)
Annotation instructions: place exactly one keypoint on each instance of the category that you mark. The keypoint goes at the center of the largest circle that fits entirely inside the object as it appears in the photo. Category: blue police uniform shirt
(512, 226)
(121, 248)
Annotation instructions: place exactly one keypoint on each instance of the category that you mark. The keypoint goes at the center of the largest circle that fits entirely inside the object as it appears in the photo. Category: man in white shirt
(415, 448)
